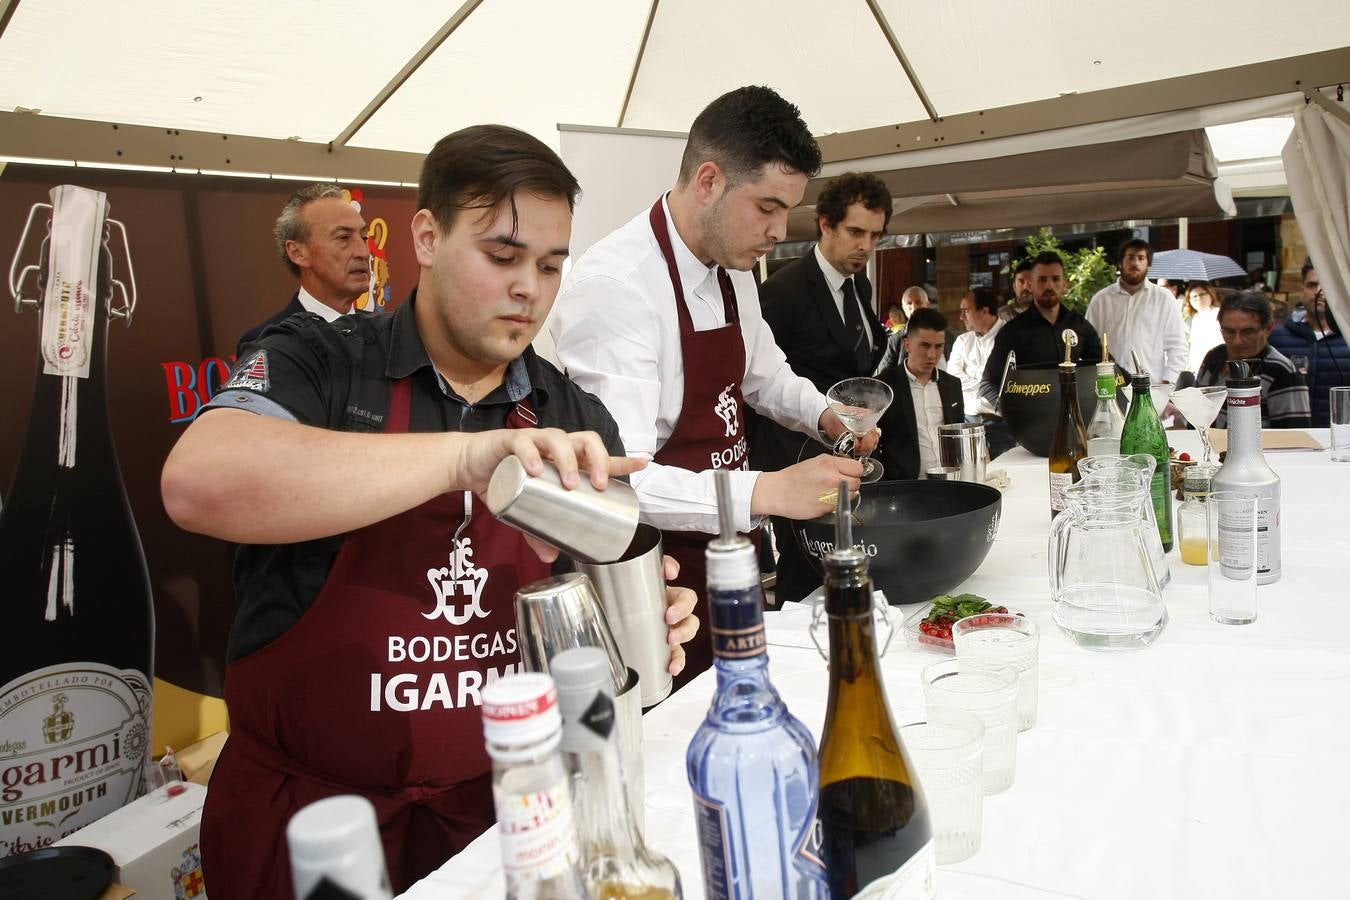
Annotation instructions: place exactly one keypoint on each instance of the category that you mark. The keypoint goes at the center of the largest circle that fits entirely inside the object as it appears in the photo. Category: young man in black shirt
(1036, 336)
(373, 609)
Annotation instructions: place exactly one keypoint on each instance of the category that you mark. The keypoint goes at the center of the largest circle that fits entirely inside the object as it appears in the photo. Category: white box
(154, 843)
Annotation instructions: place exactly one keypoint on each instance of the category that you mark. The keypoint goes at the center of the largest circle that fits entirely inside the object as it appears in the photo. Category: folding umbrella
(1192, 265)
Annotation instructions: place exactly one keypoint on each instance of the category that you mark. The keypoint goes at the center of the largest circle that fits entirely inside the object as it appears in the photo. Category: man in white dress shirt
(1141, 319)
(970, 352)
(322, 240)
(661, 320)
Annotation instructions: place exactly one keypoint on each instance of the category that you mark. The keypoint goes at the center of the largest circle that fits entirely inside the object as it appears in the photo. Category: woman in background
(1202, 309)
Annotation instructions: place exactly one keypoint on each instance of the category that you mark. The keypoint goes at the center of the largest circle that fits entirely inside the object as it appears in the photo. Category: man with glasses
(1312, 340)
(1245, 322)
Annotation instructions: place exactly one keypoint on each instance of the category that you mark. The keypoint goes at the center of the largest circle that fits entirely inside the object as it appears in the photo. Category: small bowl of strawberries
(930, 627)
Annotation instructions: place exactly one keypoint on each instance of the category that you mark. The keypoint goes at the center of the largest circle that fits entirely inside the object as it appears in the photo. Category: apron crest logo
(726, 409)
(462, 579)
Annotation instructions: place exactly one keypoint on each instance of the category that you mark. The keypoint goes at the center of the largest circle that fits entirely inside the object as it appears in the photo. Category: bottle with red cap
(523, 728)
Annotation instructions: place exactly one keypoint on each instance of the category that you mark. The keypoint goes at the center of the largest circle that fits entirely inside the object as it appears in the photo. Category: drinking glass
(989, 690)
(859, 403)
(1003, 637)
(1232, 552)
(1340, 424)
(947, 747)
(1200, 407)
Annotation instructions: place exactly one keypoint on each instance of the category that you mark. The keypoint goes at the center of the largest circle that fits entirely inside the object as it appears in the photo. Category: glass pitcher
(1140, 466)
(1105, 594)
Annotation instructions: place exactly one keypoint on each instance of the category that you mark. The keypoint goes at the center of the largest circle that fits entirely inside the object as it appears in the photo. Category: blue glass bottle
(751, 764)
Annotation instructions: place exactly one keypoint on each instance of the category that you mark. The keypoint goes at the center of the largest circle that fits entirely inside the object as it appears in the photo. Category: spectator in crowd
(322, 240)
(979, 312)
(914, 298)
(1036, 336)
(925, 397)
(895, 318)
(1314, 344)
(1022, 294)
(819, 308)
(1172, 286)
(1245, 322)
(1202, 303)
(1142, 320)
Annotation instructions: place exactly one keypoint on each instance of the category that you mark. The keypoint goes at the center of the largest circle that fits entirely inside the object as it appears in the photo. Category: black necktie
(853, 324)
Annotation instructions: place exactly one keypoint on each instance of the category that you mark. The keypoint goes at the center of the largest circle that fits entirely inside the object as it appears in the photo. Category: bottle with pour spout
(1070, 441)
(1245, 467)
(1103, 432)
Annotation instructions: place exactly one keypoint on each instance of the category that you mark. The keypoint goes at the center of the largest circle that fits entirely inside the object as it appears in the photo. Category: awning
(1161, 176)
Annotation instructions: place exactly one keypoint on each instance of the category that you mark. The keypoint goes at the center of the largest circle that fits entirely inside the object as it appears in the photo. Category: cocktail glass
(1200, 407)
(859, 403)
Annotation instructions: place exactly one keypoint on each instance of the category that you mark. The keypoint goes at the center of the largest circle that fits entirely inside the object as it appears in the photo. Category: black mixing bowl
(1030, 402)
(921, 537)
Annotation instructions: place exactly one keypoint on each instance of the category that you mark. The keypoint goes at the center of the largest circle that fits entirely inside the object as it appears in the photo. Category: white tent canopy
(396, 75)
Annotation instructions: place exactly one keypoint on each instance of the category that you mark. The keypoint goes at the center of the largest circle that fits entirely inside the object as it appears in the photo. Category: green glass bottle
(1144, 433)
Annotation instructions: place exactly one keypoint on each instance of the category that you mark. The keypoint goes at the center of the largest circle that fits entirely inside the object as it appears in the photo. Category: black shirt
(337, 376)
(1038, 343)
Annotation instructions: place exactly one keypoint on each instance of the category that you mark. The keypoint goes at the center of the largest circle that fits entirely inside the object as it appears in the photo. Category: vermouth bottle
(751, 764)
(873, 814)
(75, 670)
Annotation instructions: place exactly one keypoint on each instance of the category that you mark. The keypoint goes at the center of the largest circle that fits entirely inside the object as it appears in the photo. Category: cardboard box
(154, 843)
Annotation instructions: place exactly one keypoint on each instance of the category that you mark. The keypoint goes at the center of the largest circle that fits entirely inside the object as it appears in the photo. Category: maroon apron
(375, 691)
(710, 432)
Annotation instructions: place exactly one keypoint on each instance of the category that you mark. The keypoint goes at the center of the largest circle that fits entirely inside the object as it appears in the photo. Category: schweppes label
(1030, 390)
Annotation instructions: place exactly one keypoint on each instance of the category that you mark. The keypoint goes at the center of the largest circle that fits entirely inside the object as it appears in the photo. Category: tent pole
(637, 62)
(899, 52)
(406, 72)
(1183, 233)
(7, 8)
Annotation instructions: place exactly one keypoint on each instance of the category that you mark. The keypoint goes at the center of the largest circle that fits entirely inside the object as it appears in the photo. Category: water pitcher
(1105, 593)
(1140, 467)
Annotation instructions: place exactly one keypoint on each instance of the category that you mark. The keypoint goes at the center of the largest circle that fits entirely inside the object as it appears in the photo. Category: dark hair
(291, 224)
(482, 166)
(1025, 265)
(927, 318)
(1048, 258)
(850, 188)
(1205, 286)
(985, 299)
(1134, 244)
(745, 130)
(1307, 267)
(1253, 302)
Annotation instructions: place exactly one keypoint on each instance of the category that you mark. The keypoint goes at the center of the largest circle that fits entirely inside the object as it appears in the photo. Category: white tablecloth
(1215, 763)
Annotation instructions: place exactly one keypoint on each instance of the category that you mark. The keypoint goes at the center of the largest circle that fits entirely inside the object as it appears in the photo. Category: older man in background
(1246, 321)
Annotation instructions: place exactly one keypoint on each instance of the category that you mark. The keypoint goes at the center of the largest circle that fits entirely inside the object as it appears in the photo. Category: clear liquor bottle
(751, 764)
(1103, 432)
(615, 861)
(1069, 443)
(530, 789)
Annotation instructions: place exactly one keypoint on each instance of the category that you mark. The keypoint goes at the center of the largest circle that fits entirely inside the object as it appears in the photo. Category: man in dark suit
(322, 239)
(819, 308)
(925, 397)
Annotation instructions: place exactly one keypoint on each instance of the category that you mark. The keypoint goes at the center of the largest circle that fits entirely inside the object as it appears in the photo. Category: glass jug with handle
(1105, 594)
(1140, 466)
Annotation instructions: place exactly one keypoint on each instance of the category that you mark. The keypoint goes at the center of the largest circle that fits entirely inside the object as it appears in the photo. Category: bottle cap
(1196, 479)
(520, 710)
(1240, 375)
(1141, 382)
(732, 561)
(585, 698)
(337, 839)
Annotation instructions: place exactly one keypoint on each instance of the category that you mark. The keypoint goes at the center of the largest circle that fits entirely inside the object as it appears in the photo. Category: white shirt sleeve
(770, 385)
(1173, 329)
(609, 341)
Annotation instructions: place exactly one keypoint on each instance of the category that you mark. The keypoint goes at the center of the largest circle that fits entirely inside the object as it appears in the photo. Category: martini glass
(859, 403)
(1200, 406)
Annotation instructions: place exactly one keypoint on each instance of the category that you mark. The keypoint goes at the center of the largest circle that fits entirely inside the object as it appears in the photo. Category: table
(1214, 763)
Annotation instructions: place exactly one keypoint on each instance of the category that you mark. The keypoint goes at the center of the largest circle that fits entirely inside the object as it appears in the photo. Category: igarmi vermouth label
(73, 739)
